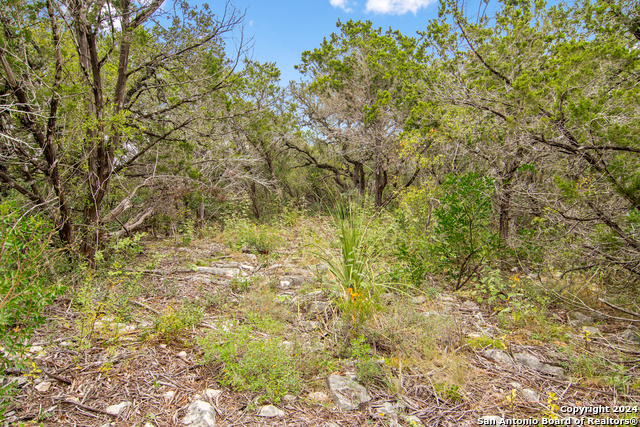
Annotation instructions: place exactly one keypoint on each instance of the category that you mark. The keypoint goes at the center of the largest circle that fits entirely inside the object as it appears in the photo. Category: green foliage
(362, 78)
(243, 234)
(413, 264)
(484, 341)
(172, 324)
(251, 362)
(28, 281)
(368, 369)
(464, 240)
(353, 267)
(449, 392)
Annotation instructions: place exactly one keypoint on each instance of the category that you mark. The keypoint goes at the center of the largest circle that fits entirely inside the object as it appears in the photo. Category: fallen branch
(631, 313)
(56, 377)
(88, 408)
(151, 309)
(581, 304)
(124, 204)
(135, 222)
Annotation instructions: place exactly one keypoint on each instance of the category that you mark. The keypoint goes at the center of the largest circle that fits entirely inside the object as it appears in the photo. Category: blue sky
(283, 29)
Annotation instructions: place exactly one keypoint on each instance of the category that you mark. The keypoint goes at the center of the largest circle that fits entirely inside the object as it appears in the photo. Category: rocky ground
(97, 363)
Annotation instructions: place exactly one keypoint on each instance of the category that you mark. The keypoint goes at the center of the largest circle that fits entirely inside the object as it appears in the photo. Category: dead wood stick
(57, 377)
(153, 310)
(615, 307)
(88, 408)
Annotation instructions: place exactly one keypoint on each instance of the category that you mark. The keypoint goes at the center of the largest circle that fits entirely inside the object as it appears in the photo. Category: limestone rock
(212, 393)
(18, 381)
(498, 356)
(318, 307)
(387, 409)
(118, 409)
(285, 284)
(346, 393)
(529, 395)
(413, 421)
(533, 362)
(592, 331)
(289, 398)
(200, 414)
(419, 300)
(43, 387)
(470, 306)
(229, 273)
(318, 396)
(577, 319)
(309, 325)
(631, 335)
(270, 411)
(295, 280)
(168, 396)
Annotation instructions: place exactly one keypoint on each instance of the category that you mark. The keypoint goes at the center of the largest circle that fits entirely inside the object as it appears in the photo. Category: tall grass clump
(353, 266)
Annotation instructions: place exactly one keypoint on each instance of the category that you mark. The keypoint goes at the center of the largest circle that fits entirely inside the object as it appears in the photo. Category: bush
(464, 240)
(240, 233)
(27, 282)
(172, 324)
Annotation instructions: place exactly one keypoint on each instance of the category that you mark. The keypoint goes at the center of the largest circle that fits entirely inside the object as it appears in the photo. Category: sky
(283, 29)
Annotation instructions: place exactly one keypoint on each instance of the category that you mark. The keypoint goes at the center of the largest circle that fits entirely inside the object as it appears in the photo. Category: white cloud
(342, 4)
(394, 7)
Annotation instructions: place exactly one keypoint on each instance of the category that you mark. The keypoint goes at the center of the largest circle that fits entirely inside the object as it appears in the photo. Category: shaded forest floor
(250, 316)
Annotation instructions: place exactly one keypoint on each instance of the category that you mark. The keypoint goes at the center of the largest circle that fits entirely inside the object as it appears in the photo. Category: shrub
(464, 240)
(240, 233)
(27, 273)
(27, 280)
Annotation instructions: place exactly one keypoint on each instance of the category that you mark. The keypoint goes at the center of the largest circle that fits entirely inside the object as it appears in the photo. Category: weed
(172, 324)
(240, 284)
(484, 341)
(242, 234)
(27, 273)
(252, 363)
(368, 369)
(449, 392)
(412, 265)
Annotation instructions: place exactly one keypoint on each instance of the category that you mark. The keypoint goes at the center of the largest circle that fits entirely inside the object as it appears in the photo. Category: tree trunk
(253, 195)
(359, 180)
(380, 184)
(505, 207)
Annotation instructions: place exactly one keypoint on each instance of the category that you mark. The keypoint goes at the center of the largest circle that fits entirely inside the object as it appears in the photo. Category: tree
(566, 80)
(140, 86)
(359, 99)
